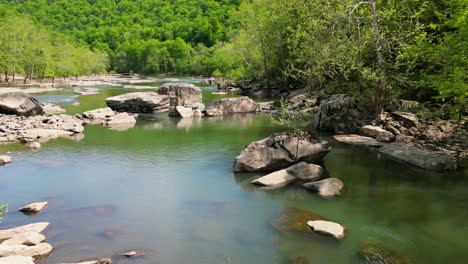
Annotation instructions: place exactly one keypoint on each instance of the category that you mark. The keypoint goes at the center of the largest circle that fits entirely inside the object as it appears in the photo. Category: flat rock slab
(140, 102)
(52, 109)
(354, 139)
(16, 260)
(37, 252)
(26, 238)
(36, 227)
(33, 208)
(326, 188)
(275, 179)
(100, 113)
(327, 228)
(99, 261)
(423, 158)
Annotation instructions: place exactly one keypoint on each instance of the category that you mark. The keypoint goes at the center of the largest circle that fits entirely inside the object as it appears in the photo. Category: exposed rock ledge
(38, 128)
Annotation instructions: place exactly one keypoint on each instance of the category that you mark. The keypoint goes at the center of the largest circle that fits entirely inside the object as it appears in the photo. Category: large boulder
(326, 188)
(420, 157)
(343, 113)
(182, 94)
(19, 103)
(280, 151)
(232, 106)
(140, 102)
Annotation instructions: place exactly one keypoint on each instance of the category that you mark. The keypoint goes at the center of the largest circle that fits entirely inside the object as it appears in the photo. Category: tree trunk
(14, 72)
(31, 73)
(381, 88)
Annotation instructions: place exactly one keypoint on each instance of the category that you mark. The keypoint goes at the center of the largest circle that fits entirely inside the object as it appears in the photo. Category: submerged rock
(182, 94)
(326, 188)
(294, 220)
(26, 238)
(420, 157)
(86, 91)
(33, 208)
(327, 228)
(16, 260)
(139, 102)
(19, 103)
(280, 151)
(99, 261)
(372, 253)
(358, 140)
(232, 106)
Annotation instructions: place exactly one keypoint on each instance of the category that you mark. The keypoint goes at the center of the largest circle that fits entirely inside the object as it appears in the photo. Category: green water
(166, 186)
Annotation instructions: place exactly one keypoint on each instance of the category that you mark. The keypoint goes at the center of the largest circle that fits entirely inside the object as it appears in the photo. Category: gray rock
(182, 111)
(37, 252)
(33, 208)
(19, 103)
(326, 188)
(120, 118)
(409, 119)
(34, 145)
(378, 133)
(139, 102)
(16, 260)
(353, 139)
(86, 91)
(36, 228)
(232, 105)
(99, 261)
(101, 113)
(280, 151)
(26, 238)
(327, 228)
(275, 179)
(52, 109)
(305, 171)
(417, 156)
(182, 94)
(343, 113)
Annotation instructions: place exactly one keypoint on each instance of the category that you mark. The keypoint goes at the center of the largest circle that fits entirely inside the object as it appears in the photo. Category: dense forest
(415, 49)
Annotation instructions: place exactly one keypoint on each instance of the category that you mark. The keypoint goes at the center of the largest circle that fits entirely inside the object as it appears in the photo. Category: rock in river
(36, 227)
(16, 260)
(282, 177)
(232, 105)
(38, 252)
(420, 157)
(33, 208)
(372, 253)
(26, 238)
(378, 133)
(5, 160)
(19, 103)
(294, 220)
(326, 188)
(280, 151)
(99, 114)
(99, 261)
(327, 228)
(140, 102)
(354, 139)
(182, 94)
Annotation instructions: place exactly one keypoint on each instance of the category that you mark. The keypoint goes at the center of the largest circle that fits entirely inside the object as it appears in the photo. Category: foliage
(296, 121)
(32, 51)
(3, 211)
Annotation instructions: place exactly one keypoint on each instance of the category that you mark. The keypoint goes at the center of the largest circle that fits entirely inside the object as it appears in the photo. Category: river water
(166, 187)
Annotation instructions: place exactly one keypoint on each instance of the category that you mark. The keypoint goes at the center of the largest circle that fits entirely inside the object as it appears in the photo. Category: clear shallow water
(166, 186)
